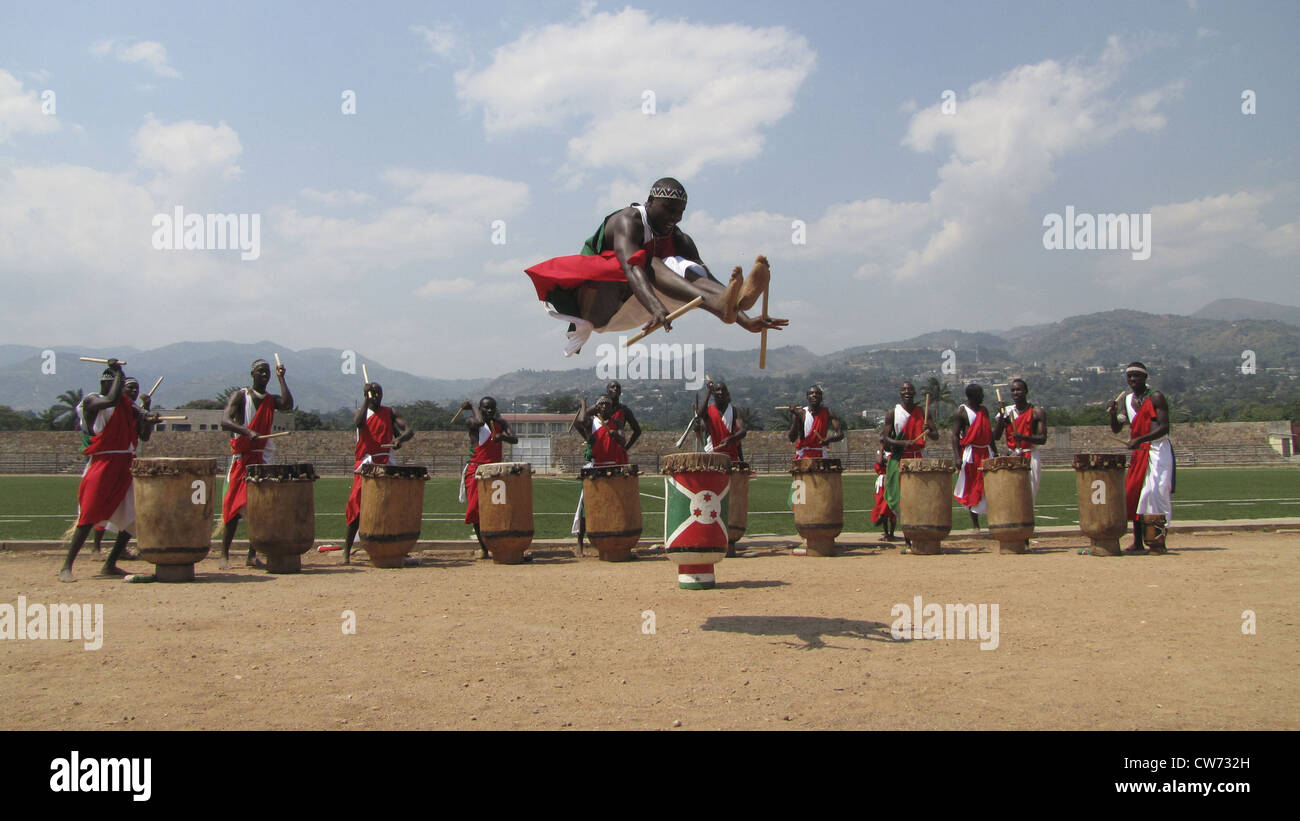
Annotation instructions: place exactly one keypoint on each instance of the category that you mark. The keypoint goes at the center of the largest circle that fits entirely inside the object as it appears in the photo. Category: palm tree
(63, 414)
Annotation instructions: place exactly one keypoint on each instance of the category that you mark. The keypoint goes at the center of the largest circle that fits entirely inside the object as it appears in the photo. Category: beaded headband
(668, 193)
(1136, 369)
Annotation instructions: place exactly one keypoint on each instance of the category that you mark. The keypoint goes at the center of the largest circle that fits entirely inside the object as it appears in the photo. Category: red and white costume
(975, 449)
(815, 428)
(245, 452)
(487, 451)
(105, 490)
(374, 444)
(719, 426)
(572, 272)
(1023, 423)
(1148, 487)
(880, 511)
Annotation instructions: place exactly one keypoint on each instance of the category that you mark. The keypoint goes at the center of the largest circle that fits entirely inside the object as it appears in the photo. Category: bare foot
(224, 564)
(65, 575)
(253, 561)
(731, 297)
(755, 284)
(112, 571)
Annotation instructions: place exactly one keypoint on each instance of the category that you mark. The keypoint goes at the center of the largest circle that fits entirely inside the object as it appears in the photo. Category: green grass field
(42, 507)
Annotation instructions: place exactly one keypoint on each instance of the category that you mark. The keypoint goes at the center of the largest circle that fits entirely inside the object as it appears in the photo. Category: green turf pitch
(42, 507)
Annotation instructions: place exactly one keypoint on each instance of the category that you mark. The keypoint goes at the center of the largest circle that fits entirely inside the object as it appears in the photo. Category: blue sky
(376, 228)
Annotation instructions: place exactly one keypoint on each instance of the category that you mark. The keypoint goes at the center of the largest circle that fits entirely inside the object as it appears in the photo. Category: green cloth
(892, 492)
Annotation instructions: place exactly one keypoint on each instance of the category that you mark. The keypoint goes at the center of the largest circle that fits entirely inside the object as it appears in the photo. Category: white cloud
(1191, 233)
(716, 87)
(445, 287)
(187, 151)
(443, 41)
(474, 195)
(149, 53)
(336, 199)
(20, 110)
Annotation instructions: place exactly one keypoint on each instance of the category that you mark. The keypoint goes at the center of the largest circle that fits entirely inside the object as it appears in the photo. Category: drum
(1010, 495)
(1099, 483)
(173, 513)
(696, 506)
(925, 502)
(611, 501)
(281, 514)
(738, 503)
(392, 503)
(817, 496)
(505, 509)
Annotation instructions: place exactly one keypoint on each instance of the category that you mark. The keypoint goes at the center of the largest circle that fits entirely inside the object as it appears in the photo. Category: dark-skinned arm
(631, 423)
(284, 401)
(626, 237)
(1161, 425)
(232, 420)
(837, 428)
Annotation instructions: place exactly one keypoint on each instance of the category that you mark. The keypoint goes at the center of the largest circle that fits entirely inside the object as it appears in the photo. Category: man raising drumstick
(811, 427)
(972, 443)
(250, 413)
(375, 423)
(1149, 486)
(903, 437)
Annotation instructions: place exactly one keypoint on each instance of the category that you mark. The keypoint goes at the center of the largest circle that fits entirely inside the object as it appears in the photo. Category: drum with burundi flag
(696, 509)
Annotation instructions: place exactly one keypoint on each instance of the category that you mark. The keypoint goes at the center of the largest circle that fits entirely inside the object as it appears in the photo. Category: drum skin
(611, 501)
(1102, 522)
(281, 514)
(819, 518)
(738, 512)
(696, 493)
(925, 504)
(1011, 501)
(392, 503)
(505, 509)
(172, 531)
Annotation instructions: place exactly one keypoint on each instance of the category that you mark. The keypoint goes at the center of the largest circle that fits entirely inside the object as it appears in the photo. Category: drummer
(723, 426)
(606, 447)
(376, 424)
(116, 426)
(1026, 429)
(903, 436)
(249, 415)
(972, 443)
(487, 430)
(814, 427)
(622, 415)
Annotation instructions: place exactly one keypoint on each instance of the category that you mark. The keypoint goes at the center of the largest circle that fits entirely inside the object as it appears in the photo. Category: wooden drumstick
(364, 373)
(273, 435)
(455, 415)
(690, 306)
(925, 417)
(97, 359)
(762, 344)
(171, 418)
(277, 361)
(155, 387)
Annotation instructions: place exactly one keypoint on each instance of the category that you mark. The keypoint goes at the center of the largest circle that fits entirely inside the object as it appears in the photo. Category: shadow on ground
(810, 632)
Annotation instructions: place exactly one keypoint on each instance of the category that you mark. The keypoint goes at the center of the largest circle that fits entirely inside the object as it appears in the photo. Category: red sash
(107, 479)
(247, 452)
(484, 454)
(604, 450)
(718, 431)
(816, 438)
(120, 431)
(912, 430)
(1023, 424)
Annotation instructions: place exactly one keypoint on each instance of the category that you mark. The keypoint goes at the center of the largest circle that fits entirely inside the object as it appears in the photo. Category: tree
(752, 420)
(11, 419)
(65, 416)
(940, 393)
(306, 420)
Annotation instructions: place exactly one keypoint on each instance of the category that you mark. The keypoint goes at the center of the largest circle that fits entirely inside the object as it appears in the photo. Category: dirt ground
(784, 642)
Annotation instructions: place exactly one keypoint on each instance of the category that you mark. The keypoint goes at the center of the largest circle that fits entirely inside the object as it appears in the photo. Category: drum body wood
(697, 490)
(505, 509)
(392, 503)
(738, 512)
(818, 501)
(1011, 501)
(611, 502)
(925, 502)
(1102, 507)
(173, 514)
(281, 514)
